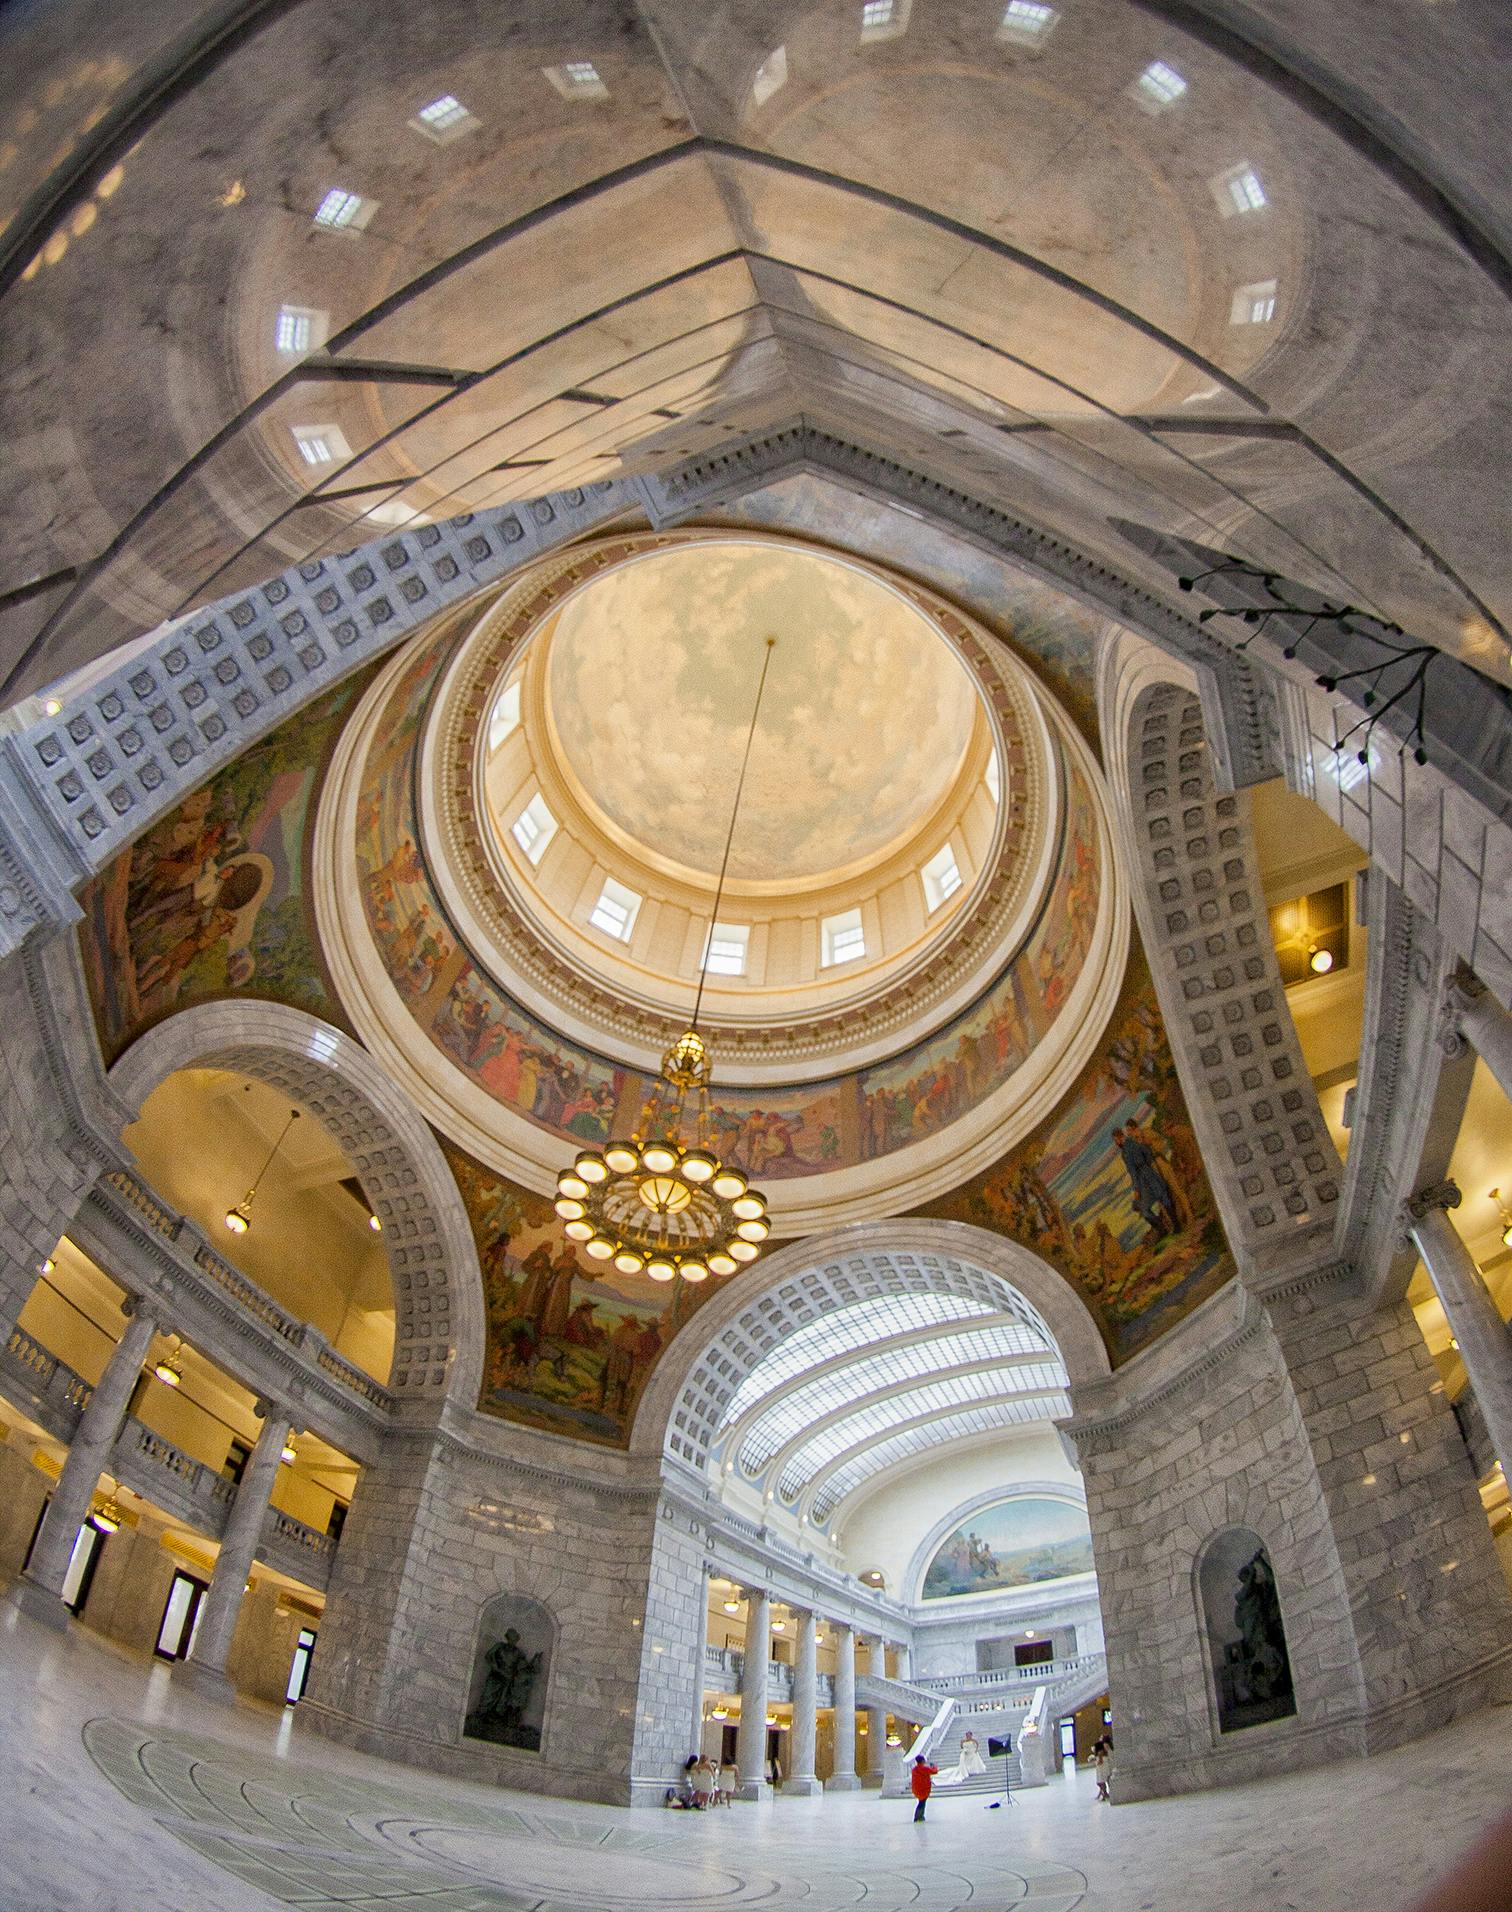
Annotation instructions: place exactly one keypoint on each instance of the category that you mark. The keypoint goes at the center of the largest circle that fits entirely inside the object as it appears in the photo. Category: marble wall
(1310, 1420)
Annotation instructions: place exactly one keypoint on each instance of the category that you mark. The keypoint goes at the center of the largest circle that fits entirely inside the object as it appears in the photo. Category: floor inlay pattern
(316, 1839)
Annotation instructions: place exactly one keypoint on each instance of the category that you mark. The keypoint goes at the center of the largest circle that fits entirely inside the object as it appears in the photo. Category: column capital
(1445, 1194)
(1461, 991)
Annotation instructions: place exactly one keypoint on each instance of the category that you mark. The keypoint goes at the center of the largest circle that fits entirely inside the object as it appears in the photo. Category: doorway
(181, 1612)
(299, 1672)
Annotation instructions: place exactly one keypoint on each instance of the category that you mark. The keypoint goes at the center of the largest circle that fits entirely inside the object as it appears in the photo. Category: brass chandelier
(657, 1201)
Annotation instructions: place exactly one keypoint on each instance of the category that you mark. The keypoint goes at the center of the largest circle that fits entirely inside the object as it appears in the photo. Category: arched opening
(394, 1159)
(1244, 1630)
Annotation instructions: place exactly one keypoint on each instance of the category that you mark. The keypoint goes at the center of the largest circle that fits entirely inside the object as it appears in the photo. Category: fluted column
(802, 1780)
(1485, 1346)
(39, 1590)
(750, 1745)
(843, 1778)
(206, 1666)
(1472, 1014)
(876, 1717)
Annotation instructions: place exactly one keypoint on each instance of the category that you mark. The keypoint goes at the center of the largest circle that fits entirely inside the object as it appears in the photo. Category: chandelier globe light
(661, 1201)
(239, 1219)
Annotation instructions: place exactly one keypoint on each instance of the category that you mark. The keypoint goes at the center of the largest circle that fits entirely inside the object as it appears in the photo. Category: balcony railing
(56, 1395)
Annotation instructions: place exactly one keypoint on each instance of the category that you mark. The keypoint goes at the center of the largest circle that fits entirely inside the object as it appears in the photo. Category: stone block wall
(671, 1671)
(435, 1532)
(1228, 1448)
(1313, 1423)
(1433, 1622)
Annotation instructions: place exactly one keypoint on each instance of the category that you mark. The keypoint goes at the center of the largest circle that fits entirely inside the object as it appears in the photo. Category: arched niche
(1239, 1608)
(508, 1695)
(433, 1264)
(972, 1511)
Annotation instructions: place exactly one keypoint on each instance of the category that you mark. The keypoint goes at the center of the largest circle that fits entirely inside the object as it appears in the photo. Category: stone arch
(1201, 911)
(696, 1377)
(912, 1586)
(1249, 1666)
(438, 1289)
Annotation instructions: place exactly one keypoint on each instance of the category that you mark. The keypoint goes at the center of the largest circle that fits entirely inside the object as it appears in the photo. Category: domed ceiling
(652, 676)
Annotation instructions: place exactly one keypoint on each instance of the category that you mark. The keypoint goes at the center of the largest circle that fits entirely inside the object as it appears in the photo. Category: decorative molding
(1090, 1431)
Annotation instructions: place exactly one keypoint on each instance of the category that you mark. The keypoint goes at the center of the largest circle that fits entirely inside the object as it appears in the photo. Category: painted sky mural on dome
(775, 1134)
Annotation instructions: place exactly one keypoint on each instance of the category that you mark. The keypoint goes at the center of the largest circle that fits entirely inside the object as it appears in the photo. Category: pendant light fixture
(661, 1201)
(166, 1368)
(239, 1219)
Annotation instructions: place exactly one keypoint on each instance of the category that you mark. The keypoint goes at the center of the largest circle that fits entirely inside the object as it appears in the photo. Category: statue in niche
(1246, 1632)
(509, 1684)
(1263, 1668)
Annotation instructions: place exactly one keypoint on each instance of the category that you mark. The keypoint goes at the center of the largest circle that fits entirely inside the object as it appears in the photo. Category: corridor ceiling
(278, 274)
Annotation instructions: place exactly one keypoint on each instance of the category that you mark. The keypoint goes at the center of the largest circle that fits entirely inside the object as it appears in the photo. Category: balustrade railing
(245, 1294)
(55, 1390)
(1043, 1672)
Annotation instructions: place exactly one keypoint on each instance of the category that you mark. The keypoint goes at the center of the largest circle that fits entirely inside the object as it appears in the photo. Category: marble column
(876, 1716)
(38, 1591)
(802, 1780)
(700, 1670)
(205, 1669)
(843, 1778)
(750, 1745)
(1485, 1346)
(904, 1654)
(1473, 1014)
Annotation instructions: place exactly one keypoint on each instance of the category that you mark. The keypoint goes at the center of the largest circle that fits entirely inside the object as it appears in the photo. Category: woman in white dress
(969, 1763)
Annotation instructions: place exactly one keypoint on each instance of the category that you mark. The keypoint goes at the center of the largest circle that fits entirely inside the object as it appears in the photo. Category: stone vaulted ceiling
(1180, 265)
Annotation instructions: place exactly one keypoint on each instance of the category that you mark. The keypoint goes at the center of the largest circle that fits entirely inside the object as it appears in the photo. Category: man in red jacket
(921, 1779)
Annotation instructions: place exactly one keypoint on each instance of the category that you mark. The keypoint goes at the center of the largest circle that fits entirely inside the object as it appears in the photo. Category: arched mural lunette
(696, 1377)
(438, 1293)
(918, 1565)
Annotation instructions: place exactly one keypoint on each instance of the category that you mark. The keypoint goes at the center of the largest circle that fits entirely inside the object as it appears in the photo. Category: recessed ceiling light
(1238, 191)
(577, 80)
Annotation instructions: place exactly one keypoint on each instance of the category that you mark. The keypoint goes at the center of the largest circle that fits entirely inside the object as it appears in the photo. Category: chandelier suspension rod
(257, 1179)
(703, 973)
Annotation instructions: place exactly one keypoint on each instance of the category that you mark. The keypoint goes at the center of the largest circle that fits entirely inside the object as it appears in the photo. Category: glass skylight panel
(534, 828)
(577, 80)
(843, 1330)
(950, 1428)
(942, 878)
(884, 19)
(506, 716)
(343, 211)
(299, 329)
(444, 119)
(843, 938)
(771, 75)
(896, 1366)
(1027, 22)
(1159, 86)
(321, 444)
(726, 948)
(956, 1390)
(1238, 191)
(616, 910)
(1254, 304)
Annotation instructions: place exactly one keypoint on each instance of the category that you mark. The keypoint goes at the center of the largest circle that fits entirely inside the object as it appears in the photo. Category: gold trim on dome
(515, 947)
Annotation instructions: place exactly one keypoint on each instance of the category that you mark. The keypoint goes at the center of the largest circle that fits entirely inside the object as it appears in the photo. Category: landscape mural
(1013, 1543)
(211, 901)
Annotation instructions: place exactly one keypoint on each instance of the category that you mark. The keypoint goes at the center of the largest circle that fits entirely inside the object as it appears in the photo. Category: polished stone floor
(126, 1793)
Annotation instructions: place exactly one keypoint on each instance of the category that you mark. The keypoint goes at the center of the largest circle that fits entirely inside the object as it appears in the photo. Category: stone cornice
(1152, 1380)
